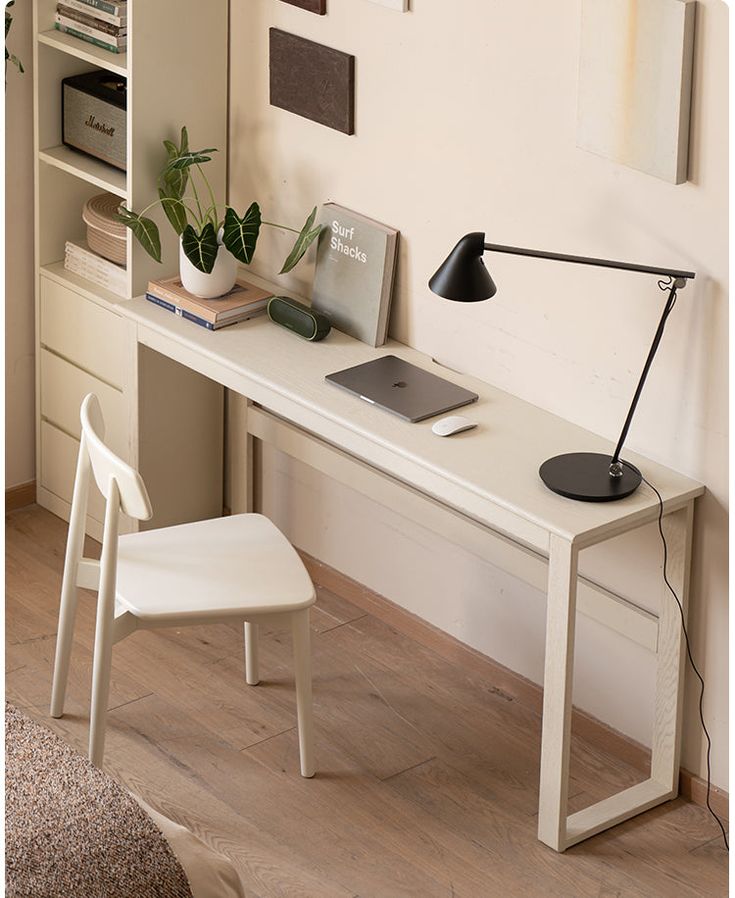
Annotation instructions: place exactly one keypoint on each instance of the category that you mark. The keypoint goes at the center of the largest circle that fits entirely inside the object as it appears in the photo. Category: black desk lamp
(587, 476)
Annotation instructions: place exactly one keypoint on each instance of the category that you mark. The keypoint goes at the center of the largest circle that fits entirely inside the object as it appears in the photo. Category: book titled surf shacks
(355, 271)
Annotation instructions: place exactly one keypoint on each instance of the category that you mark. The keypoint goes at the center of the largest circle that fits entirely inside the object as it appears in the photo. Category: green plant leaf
(176, 180)
(175, 151)
(186, 160)
(306, 237)
(241, 234)
(145, 231)
(175, 210)
(201, 249)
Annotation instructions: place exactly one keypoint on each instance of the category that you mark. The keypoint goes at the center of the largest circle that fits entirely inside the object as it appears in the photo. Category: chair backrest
(108, 468)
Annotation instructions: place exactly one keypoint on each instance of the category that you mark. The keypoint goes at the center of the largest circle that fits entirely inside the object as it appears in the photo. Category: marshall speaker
(94, 115)
(298, 318)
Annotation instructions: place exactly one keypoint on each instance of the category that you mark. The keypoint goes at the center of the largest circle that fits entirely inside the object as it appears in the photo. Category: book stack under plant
(99, 22)
(81, 260)
(242, 302)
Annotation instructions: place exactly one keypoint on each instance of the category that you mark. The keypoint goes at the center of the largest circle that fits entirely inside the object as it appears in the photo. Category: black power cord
(691, 659)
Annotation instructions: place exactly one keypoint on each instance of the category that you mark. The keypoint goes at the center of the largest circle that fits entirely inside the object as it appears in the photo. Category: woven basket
(105, 234)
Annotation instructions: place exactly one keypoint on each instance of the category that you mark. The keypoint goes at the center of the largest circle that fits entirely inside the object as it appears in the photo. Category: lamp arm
(586, 260)
(678, 280)
(616, 468)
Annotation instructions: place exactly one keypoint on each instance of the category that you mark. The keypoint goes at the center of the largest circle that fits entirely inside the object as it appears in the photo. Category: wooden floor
(427, 776)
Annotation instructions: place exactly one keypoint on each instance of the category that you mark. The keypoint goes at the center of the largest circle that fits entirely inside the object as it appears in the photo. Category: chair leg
(302, 672)
(64, 639)
(100, 695)
(252, 674)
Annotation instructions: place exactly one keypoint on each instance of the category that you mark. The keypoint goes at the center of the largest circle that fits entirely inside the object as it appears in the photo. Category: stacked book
(242, 302)
(99, 22)
(80, 260)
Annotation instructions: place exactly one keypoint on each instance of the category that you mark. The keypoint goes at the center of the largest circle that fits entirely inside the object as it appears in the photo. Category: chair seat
(220, 567)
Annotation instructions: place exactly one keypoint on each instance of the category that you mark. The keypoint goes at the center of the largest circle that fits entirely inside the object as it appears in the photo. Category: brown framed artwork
(312, 81)
(317, 6)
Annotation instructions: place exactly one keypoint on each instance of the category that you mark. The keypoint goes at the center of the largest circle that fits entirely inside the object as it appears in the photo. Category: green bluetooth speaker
(297, 317)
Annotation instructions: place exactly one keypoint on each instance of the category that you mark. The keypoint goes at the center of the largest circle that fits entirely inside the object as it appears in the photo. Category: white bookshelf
(169, 85)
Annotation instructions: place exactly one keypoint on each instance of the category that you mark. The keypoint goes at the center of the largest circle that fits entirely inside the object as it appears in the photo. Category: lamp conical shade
(463, 277)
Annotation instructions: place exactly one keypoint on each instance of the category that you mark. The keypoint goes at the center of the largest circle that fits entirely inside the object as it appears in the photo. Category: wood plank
(558, 680)
(671, 661)
(614, 809)
(312, 80)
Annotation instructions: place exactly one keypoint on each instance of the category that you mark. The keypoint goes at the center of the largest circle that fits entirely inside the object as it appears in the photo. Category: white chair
(233, 568)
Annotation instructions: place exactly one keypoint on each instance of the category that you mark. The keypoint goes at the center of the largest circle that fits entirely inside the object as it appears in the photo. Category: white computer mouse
(446, 427)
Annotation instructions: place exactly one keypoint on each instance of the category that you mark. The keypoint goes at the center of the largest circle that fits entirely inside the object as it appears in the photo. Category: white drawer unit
(82, 349)
(90, 336)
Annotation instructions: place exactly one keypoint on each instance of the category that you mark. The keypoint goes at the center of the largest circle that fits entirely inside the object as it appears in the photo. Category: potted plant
(211, 243)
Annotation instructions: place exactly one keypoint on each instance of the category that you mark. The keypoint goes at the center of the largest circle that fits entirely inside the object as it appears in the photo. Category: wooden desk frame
(278, 418)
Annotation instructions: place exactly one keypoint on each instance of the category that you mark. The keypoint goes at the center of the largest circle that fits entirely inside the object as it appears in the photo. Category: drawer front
(58, 467)
(84, 333)
(64, 386)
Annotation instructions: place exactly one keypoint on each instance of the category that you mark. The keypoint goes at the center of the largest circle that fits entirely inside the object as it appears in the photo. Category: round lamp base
(585, 476)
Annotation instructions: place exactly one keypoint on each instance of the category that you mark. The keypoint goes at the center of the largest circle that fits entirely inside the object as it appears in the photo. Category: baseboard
(518, 687)
(20, 496)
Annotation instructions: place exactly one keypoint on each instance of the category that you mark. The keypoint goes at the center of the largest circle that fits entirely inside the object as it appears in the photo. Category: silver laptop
(402, 388)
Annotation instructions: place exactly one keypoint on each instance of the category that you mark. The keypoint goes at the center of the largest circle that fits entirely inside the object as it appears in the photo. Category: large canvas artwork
(635, 80)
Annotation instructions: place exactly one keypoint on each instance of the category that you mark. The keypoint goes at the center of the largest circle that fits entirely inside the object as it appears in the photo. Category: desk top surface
(496, 463)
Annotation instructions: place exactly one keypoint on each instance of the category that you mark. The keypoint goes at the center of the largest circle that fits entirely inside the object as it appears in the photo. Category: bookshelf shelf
(87, 168)
(73, 46)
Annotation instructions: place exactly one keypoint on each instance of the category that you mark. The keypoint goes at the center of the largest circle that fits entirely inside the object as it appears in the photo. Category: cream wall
(465, 120)
(19, 366)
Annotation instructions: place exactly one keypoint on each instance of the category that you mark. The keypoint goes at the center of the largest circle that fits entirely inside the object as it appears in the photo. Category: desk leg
(558, 675)
(557, 829)
(671, 662)
(239, 467)
(239, 498)
(177, 435)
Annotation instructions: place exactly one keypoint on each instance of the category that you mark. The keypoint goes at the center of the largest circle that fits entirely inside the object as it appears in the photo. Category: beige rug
(71, 831)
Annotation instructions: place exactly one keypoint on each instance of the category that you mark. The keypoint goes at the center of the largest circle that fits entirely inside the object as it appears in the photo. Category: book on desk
(242, 302)
(355, 272)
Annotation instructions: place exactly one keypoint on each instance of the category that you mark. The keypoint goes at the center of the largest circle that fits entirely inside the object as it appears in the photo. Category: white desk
(486, 477)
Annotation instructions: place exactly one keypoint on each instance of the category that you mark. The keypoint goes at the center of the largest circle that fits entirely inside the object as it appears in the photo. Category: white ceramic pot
(209, 286)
